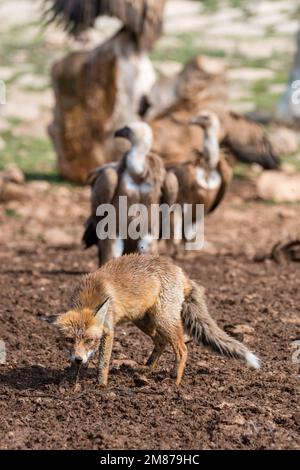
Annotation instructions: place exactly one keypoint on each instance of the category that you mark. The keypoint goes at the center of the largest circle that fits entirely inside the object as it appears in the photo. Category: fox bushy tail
(200, 325)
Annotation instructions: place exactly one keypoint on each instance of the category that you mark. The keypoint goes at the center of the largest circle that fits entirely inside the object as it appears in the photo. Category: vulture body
(143, 18)
(142, 177)
(205, 179)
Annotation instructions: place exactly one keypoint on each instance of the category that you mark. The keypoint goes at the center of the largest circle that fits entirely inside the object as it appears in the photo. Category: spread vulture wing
(144, 18)
(248, 141)
(104, 183)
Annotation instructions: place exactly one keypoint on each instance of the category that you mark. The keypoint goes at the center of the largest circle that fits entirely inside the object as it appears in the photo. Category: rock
(30, 80)
(12, 192)
(284, 141)
(202, 367)
(125, 363)
(96, 92)
(39, 186)
(279, 187)
(13, 174)
(250, 74)
(243, 329)
(2, 352)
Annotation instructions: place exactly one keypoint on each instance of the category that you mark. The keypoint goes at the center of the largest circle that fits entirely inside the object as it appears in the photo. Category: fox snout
(81, 356)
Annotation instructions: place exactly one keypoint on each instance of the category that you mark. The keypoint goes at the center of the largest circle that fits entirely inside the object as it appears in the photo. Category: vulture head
(207, 120)
(139, 135)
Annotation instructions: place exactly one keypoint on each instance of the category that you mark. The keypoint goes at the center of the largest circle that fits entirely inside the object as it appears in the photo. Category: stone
(279, 187)
(250, 74)
(13, 174)
(12, 192)
(284, 141)
(96, 92)
(127, 363)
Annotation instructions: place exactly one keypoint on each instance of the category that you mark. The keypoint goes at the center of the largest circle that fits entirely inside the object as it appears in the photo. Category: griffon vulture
(205, 179)
(142, 177)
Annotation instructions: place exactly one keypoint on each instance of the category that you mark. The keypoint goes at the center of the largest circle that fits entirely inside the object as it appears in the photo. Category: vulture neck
(136, 159)
(211, 148)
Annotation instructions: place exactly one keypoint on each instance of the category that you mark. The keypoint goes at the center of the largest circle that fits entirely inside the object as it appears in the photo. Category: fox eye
(69, 340)
(89, 341)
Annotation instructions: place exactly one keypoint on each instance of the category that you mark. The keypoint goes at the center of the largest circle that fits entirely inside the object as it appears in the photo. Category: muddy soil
(221, 404)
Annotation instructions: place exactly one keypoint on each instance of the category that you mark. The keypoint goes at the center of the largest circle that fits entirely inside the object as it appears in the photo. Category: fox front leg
(105, 350)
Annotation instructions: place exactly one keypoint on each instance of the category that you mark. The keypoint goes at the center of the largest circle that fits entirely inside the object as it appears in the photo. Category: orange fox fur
(154, 294)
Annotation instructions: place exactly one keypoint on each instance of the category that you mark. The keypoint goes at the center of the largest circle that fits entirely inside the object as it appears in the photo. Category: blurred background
(257, 41)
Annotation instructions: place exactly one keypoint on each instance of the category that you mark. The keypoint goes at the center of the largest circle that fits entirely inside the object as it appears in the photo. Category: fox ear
(101, 315)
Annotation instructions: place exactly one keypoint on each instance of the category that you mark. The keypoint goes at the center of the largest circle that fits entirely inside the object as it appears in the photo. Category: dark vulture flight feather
(144, 18)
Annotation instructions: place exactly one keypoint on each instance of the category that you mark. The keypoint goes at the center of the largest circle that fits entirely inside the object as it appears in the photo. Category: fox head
(82, 331)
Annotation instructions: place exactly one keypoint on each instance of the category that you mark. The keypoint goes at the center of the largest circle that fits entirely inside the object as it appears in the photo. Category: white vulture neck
(211, 147)
(136, 159)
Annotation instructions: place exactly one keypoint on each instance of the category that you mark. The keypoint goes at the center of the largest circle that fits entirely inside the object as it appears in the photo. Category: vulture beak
(193, 121)
(125, 133)
(198, 121)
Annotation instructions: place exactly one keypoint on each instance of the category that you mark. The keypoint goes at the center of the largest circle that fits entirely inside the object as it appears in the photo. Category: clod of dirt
(140, 380)
(125, 364)
(77, 387)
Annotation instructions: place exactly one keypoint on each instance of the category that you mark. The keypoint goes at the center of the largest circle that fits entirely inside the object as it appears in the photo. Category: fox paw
(101, 383)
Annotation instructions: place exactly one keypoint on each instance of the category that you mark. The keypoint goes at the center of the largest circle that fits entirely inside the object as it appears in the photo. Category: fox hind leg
(180, 350)
(159, 347)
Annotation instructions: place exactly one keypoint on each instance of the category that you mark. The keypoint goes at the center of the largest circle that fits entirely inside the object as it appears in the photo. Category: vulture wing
(248, 141)
(170, 189)
(226, 173)
(104, 183)
(143, 17)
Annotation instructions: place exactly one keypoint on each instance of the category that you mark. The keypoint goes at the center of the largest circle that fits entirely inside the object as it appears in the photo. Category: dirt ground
(221, 404)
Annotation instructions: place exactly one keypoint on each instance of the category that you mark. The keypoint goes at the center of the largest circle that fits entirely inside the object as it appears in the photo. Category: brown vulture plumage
(142, 178)
(144, 18)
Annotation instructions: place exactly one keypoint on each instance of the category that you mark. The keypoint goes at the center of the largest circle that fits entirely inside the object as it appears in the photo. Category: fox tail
(200, 325)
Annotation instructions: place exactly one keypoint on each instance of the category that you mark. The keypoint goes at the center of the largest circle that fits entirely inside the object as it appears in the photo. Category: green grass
(184, 53)
(12, 213)
(210, 6)
(292, 160)
(34, 156)
(241, 171)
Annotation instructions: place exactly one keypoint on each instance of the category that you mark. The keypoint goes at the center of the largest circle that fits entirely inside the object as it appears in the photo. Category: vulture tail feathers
(249, 142)
(90, 236)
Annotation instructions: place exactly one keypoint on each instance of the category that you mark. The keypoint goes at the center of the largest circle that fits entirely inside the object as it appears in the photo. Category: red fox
(158, 297)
